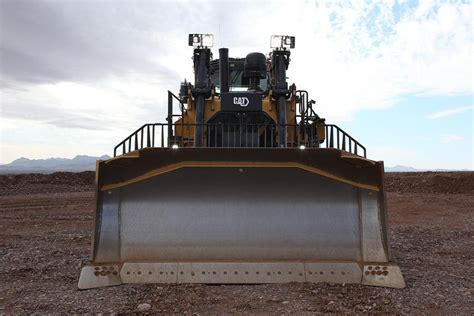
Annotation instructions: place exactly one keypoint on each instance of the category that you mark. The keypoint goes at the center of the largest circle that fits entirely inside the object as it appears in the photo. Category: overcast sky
(79, 76)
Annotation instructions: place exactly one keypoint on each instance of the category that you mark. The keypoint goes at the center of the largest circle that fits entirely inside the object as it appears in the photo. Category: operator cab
(245, 74)
(240, 102)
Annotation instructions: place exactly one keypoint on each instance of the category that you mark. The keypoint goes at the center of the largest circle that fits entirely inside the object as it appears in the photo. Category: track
(46, 226)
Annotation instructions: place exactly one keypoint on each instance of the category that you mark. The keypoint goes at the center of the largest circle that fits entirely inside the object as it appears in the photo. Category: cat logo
(242, 101)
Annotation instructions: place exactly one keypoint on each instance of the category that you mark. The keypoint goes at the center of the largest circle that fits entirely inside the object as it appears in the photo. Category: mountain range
(87, 163)
(50, 165)
(400, 168)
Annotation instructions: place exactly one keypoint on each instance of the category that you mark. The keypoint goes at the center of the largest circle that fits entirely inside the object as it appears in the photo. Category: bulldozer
(243, 183)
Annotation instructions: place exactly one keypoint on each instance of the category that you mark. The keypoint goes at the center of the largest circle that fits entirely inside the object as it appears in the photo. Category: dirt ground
(46, 228)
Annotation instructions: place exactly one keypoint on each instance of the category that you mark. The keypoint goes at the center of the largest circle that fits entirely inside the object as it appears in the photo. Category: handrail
(171, 97)
(305, 107)
(339, 141)
(239, 136)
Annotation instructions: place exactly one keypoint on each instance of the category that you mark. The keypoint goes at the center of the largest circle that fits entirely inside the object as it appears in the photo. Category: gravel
(45, 236)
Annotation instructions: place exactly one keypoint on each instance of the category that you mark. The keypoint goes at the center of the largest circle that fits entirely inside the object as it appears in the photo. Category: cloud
(360, 56)
(451, 138)
(112, 104)
(350, 55)
(45, 41)
(450, 112)
(105, 67)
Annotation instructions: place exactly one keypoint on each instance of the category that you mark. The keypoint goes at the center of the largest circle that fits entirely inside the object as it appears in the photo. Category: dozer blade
(193, 215)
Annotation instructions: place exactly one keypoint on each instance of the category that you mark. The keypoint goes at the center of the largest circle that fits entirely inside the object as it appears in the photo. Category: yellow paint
(184, 126)
(246, 164)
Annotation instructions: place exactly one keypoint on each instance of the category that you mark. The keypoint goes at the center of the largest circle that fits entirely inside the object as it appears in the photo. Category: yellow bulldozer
(243, 183)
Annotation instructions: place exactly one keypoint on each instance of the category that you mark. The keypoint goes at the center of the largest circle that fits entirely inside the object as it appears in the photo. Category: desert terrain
(46, 224)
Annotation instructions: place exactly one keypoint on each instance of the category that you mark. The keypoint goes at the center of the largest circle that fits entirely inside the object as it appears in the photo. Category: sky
(79, 76)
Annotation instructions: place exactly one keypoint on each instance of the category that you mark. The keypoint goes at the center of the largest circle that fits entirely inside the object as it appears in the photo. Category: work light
(201, 40)
(282, 41)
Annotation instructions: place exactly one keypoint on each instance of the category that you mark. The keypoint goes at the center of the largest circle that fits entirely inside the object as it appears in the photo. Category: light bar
(282, 41)
(201, 40)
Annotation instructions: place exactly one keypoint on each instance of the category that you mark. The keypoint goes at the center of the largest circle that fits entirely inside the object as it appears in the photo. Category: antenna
(220, 35)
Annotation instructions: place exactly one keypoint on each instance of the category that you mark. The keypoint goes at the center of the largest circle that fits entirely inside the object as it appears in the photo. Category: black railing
(305, 112)
(240, 136)
(337, 138)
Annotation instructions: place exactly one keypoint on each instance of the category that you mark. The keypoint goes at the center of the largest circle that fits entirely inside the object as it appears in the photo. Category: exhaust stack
(224, 69)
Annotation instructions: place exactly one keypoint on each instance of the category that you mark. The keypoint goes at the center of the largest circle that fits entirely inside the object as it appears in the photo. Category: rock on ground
(46, 224)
